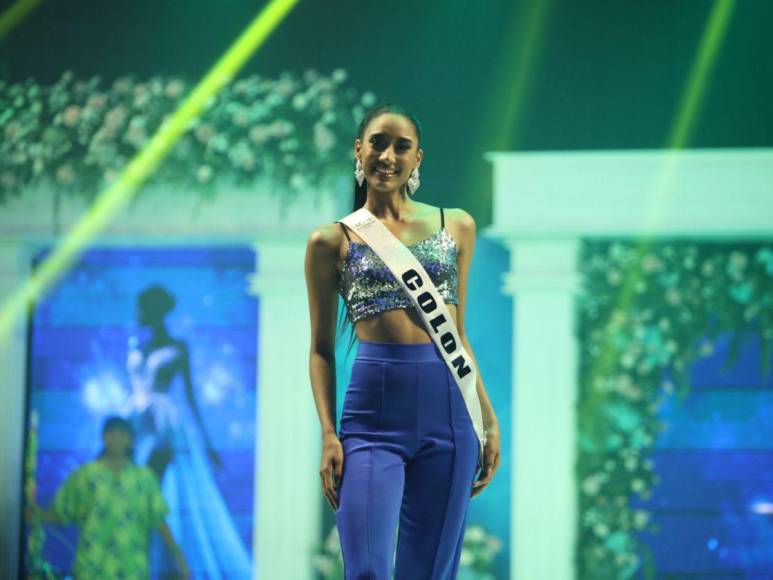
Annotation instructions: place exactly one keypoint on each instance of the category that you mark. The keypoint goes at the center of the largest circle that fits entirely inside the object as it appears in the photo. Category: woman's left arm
(466, 231)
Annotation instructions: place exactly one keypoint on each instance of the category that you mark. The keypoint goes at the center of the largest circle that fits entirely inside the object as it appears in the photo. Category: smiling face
(389, 151)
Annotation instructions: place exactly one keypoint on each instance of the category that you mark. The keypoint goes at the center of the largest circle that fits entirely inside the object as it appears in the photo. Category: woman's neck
(160, 333)
(391, 206)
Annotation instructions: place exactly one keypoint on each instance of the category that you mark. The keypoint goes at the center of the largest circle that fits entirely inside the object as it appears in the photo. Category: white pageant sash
(415, 281)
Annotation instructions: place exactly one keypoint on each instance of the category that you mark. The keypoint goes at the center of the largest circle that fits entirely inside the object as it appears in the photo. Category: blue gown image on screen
(172, 441)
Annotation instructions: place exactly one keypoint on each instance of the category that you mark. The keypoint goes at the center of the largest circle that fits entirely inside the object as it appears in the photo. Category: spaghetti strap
(442, 220)
(343, 227)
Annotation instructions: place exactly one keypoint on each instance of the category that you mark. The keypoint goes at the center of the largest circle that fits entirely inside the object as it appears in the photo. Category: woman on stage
(407, 452)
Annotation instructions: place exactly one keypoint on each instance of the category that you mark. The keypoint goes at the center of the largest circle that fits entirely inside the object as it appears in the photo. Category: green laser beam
(519, 58)
(113, 199)
(682, 128)
(692, 97)
(507, 116)
(15, 13)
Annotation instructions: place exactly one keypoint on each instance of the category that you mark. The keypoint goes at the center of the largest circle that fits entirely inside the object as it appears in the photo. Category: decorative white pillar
(288, 496)
(544, 204)
(543, 282)
(287, 490)
(13, 362)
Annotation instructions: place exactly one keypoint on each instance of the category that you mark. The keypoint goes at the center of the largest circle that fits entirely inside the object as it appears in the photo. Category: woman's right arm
(319, 266)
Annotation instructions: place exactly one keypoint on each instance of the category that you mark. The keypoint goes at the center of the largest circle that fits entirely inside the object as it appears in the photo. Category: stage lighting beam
(110, 201)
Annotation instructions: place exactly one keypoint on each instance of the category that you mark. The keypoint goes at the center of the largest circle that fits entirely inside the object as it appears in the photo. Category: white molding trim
(711, 193)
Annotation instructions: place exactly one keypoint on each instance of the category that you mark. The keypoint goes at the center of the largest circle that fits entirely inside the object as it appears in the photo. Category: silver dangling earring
(359, 172)
(413, 181)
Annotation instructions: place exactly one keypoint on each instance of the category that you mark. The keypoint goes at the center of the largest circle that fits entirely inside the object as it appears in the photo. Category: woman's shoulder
(462, 218)
(326, 237)
(456, 220)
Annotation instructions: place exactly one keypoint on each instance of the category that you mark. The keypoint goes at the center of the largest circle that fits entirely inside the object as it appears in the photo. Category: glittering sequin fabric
(368, 287)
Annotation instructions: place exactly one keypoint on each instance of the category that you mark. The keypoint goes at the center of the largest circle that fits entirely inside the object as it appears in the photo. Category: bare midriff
(403, 325)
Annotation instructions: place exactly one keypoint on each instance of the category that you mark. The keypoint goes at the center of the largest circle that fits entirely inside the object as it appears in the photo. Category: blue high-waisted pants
(410, 455)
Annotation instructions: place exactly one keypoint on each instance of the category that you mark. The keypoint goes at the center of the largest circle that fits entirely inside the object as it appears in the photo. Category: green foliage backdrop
(686, 295)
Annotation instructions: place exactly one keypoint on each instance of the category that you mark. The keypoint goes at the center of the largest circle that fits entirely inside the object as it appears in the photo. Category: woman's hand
(490, 461)
(331, 470)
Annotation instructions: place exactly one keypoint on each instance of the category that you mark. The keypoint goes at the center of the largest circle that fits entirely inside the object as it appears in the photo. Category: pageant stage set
(610, 267)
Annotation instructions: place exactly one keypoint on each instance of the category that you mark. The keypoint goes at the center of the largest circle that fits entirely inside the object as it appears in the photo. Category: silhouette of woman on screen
(152, 367)
(173, 441)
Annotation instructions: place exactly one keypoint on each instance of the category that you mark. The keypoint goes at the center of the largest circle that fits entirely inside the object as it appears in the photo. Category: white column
(288, 503)
(543, 281)
(14, 268)
(544, 202)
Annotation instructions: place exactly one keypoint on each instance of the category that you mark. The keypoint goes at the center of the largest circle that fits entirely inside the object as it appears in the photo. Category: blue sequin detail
(368, 287)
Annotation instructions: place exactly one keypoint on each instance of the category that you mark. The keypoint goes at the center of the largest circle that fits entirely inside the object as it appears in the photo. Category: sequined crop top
(368, 287)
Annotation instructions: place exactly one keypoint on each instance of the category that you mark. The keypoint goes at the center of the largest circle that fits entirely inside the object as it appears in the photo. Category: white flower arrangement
(77, 135)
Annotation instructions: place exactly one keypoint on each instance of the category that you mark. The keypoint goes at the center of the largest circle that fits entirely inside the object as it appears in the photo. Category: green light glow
(505, 118)
(692, 96)
(518, 61)
(15, 14)
(682, 128)
(112, 200)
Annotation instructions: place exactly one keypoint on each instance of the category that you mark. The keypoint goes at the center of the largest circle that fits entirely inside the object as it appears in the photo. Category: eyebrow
(399, 138)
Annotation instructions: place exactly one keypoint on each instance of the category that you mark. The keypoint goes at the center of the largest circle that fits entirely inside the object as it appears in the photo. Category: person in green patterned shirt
(115, 504)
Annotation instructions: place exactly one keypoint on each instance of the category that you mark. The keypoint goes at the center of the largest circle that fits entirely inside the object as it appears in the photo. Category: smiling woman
(407, 451)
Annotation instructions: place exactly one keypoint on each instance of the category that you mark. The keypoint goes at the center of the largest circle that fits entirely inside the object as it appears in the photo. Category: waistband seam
(397, 353)
(399, 360)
